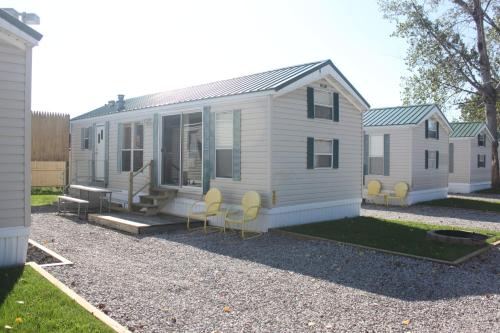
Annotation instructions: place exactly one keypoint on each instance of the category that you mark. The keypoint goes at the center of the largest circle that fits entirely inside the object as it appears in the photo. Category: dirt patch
(39, 256)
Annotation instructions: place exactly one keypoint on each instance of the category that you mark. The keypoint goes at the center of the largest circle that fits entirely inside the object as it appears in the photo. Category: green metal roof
(20, 25)
(398, 115)
(466, 129)
(271, 80)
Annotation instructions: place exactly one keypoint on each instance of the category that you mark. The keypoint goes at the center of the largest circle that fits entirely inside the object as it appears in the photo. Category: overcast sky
(93, 50)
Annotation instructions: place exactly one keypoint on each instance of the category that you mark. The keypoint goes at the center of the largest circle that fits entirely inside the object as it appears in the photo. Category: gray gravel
(436, 215)
(181, 282)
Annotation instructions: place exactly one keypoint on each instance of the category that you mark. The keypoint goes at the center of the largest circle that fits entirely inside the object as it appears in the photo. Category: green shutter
(366, 152)
(212, 144)
(387, 154)
(437, 159)
(437, 130)
(336, 107)
(426, 129)
(452, 158)
(310, 153)
(156, 165)
(106, 153)
(310, 102)
(119, 148)
(478, 161)
(336, 156)
(206, 149)
(237, 145)
(426, 159)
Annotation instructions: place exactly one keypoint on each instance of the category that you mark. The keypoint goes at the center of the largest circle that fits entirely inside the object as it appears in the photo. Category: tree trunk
(489, 92)
(492, 126)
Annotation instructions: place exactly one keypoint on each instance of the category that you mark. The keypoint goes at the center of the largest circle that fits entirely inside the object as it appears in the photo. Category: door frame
(160, 153)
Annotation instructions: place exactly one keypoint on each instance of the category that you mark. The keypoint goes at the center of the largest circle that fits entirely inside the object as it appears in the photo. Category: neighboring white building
(470, 157)
(407, 144)
(16, 43)
(292, 134)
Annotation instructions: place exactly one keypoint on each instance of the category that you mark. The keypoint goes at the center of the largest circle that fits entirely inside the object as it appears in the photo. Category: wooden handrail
(131, 176)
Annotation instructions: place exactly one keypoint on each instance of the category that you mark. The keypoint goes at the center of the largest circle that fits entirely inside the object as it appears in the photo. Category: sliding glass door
(182, 147)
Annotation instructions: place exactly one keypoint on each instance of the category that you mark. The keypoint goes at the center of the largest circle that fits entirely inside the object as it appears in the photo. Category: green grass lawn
(43, 196)
(465, 203)
(490, 191)
(43, 199)
(399, 236)
(30, 303)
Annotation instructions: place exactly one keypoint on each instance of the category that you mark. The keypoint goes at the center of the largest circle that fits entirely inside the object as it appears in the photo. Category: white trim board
(13, 245)
(467, 187)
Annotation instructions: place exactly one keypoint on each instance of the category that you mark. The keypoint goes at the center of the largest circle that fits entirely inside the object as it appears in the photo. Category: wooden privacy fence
(49, 136)
(49, 149)
(48, 173)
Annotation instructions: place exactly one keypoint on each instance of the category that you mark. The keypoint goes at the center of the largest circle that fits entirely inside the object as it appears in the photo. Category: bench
(62, 199)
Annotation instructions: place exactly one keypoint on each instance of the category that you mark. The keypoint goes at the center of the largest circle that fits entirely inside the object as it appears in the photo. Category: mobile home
(470, 157)
(407, 144)
(293, 134)
(16, 43)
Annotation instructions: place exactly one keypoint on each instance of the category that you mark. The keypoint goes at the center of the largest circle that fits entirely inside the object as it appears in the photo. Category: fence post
(130, 190)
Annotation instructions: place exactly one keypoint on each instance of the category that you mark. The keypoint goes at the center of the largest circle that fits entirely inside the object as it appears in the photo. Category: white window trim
(132, 149)
(215, 145)
(429, 131)
(319, 104)
(481, 156)
(370, 154)
(322, 154)
(429, 165)
(86, 138)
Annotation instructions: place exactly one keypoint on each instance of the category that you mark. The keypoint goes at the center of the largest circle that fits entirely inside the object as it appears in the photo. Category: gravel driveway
(436, 215)
(181, 282)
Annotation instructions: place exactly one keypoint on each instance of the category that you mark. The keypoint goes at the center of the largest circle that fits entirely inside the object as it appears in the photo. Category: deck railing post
(130, 190)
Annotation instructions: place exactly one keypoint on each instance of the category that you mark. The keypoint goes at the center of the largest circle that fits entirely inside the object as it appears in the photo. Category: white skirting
(427, 195)
(13, 245)
(281, 216)
(468, 187)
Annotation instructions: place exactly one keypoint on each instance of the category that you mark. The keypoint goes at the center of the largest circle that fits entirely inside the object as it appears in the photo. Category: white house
(292, 134)
(407, 144)
(470, 157)
(16, 43)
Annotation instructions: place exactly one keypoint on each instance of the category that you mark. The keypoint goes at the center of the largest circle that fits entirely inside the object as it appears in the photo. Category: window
(323, 153)
(432, 159)
(481, 161)
(132, 147)
(376, 160)
(323, 104)
(432, 129)
(85, 138)
(224, 144)
(481, 140)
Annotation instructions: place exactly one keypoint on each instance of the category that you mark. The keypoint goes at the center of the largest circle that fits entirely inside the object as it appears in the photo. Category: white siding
(399, 152)
(431, 178)
(254, 148)
(13, 81)
(293, 182)
(461, 158)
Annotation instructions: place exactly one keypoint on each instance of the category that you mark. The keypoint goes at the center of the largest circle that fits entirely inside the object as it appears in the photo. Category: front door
(182, 150)
(100, 152)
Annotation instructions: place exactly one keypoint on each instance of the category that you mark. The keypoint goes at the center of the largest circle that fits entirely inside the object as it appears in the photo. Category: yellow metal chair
(374, 187)
(400, 192)
(210, 206)
(250, 204)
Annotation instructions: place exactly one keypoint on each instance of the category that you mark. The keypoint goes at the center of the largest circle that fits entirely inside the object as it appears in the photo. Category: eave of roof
(273, 80)
(20, 25)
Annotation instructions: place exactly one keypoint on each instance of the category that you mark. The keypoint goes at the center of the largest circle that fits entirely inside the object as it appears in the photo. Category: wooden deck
(139, 224)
